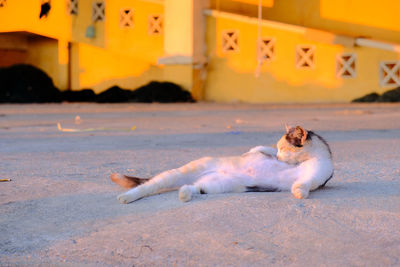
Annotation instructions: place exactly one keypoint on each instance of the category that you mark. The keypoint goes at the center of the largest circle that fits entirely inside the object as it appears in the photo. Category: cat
(302, 162)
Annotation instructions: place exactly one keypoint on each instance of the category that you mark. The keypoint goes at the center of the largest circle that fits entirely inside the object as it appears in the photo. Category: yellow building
(220, 50)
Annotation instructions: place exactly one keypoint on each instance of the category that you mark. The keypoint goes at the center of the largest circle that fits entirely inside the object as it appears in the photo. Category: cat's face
(293, 146)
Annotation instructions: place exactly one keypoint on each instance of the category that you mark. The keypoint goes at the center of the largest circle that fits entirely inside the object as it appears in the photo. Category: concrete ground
(60, 209)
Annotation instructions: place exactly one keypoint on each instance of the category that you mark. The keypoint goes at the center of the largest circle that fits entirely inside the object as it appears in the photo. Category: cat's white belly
(254, 169)
(258, 166)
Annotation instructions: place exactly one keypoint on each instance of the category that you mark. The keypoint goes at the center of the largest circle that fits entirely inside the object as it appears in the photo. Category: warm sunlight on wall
(381, 14)
(114, 53)
(128, 53)
(100, 68)
(49, 54)
(373, 19)
(15, 17)
(135, 40)
(279, 73)
(265, 3)
(122, 50)
(231, 75)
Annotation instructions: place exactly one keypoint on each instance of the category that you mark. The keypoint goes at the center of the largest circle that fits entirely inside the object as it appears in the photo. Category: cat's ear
(301, 133)
(288, 127)
(297, 136)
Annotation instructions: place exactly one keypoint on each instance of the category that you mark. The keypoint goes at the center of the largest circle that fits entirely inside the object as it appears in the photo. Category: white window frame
(156, 22)
(346, 65)
(72, 7)
(230, 41)
(267, 49)
(126, 19)
(389, 73)
(305, 56)
(98, 11)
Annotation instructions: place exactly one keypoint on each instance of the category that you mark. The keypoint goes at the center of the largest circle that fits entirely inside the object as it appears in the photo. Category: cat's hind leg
(186, 192)
(187, 174)
(213, 183)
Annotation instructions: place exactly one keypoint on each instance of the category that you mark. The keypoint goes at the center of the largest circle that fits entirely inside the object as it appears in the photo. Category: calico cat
(301, 163)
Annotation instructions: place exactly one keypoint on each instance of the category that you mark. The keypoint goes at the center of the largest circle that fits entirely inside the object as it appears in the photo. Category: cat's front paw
(300, 191)
(185, 193)
(125, 198)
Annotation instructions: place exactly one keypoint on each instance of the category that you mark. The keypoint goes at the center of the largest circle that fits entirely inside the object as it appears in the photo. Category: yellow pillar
(178, 25)
(184, 43)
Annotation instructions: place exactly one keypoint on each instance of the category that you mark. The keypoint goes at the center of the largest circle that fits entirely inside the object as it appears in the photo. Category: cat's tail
(127, 181)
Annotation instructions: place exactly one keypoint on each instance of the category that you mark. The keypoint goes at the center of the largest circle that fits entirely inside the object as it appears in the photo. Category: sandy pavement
(60, 209)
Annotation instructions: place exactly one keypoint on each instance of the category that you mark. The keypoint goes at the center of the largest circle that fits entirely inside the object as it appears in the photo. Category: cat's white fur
(301, 163)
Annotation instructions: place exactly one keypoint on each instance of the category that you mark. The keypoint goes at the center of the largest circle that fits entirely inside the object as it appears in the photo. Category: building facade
(220, 50)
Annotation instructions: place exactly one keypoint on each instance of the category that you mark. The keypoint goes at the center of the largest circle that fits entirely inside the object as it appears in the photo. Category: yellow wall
(374, 19)
(267, 3)
(115, 56)
(380, 15)
(128, 57)
(46, 53)
(231, 76)
(24, 16)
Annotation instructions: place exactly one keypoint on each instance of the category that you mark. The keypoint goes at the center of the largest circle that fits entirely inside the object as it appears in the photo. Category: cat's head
(298, 145)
